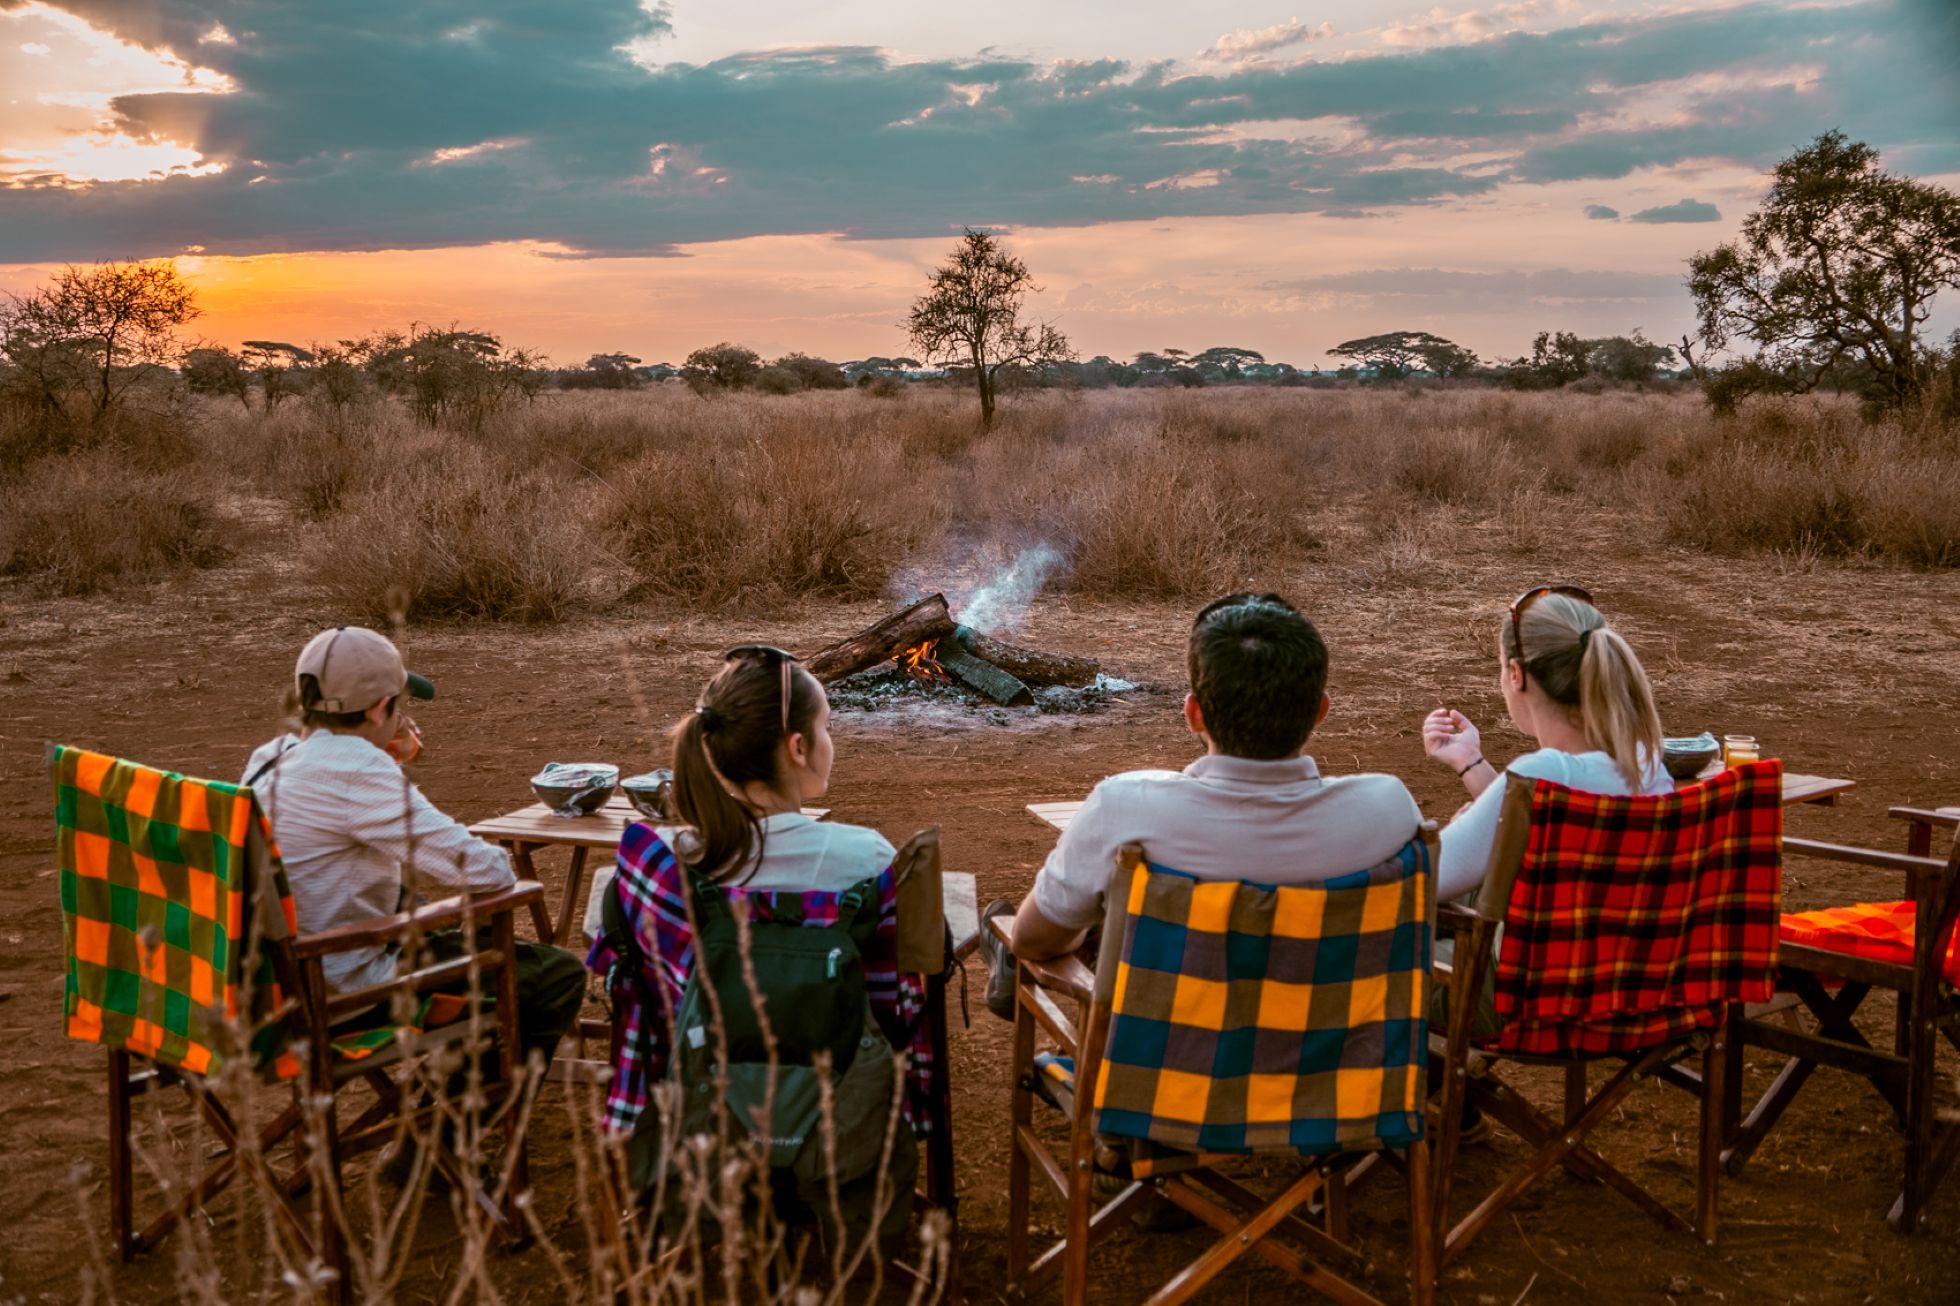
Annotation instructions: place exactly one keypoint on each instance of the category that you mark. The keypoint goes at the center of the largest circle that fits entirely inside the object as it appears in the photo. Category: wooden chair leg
(121, 1170)
(1021, 1117)
(1575, 1091)
(1708, 1162)
(1908, 1215)
(1422, 1236)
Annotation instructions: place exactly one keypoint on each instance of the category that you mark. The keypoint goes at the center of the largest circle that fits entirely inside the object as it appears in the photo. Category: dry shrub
(88, 522)
(1886, 497)
(1455, 464)
(320, 463)
(1146, 510)
(455, 533)
(777, 515)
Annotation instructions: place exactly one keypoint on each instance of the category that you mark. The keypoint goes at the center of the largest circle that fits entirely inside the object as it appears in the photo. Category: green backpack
(812, 985)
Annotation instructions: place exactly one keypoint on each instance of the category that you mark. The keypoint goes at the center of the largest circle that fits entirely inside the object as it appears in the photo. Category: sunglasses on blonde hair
(764, 652)
(1531, 596)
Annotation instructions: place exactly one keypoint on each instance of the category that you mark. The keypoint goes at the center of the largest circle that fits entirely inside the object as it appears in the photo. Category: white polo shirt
(355, 834)
(1225, 818)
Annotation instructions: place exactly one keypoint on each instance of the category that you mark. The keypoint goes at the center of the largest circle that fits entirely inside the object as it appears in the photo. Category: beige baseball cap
(356, 668)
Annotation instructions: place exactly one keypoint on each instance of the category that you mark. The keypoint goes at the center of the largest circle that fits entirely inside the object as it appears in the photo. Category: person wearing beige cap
(360, 840)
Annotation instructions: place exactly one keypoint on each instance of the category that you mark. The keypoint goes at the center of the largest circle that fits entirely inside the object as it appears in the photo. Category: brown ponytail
(731, 740)
(1585, 665)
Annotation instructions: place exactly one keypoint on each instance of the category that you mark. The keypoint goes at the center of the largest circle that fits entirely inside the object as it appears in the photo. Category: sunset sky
(598, 175)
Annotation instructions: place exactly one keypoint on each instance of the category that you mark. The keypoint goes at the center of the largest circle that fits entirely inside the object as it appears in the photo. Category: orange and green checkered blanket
(1881, 931)
(1252, 1018)
(163, 879)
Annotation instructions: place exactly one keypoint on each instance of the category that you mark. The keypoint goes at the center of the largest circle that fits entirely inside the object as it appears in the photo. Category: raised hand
(1448, 736)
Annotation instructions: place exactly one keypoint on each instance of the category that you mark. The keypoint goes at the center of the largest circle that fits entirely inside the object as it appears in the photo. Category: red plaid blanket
(1634, 919)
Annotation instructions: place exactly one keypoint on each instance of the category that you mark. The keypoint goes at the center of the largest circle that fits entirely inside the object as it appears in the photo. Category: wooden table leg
(571, 906)
(526, 869)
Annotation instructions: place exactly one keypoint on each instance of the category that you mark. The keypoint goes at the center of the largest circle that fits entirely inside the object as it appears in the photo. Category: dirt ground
(1842, 671)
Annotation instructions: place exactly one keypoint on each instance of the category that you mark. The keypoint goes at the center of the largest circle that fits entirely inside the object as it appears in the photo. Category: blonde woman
(1572, 683)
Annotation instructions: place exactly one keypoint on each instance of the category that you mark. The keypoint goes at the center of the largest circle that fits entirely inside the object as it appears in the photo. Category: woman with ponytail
(751, 752)
(1571, 682)
(755, 749)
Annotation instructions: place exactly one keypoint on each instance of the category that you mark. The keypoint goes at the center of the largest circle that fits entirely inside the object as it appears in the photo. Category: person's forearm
(1479, 776)
(1036, 938)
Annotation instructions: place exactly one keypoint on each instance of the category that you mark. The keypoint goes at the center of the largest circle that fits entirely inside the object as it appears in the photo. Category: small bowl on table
(1686, 758)
(575, 788)
(651, 794)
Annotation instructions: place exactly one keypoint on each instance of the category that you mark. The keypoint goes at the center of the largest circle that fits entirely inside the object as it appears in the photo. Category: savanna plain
(569, 572)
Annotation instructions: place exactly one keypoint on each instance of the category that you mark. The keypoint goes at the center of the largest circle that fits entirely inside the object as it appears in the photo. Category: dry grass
(755, 501)
(89, 522)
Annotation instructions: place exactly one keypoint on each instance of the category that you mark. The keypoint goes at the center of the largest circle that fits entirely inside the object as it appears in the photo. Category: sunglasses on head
(1530, 596)
(764, 652)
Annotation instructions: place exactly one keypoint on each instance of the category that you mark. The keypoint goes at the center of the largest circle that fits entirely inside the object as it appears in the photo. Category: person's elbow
(1037, 938)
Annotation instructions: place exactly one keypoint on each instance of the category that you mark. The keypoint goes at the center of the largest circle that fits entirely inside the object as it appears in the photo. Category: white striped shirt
(359, 840)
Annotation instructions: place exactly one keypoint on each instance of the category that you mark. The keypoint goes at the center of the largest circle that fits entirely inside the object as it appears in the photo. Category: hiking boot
(1000, 962)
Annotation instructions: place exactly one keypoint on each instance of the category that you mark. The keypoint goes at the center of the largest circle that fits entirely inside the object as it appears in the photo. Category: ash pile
(921, 655)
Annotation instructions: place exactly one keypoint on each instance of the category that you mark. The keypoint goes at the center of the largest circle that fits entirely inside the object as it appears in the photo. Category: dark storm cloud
(348, 120)
(1679, 211)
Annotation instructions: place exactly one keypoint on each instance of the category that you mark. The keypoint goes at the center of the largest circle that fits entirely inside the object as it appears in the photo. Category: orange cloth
(1881, 931)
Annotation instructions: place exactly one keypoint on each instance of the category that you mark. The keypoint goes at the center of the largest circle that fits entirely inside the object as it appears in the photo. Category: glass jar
(1737, 749)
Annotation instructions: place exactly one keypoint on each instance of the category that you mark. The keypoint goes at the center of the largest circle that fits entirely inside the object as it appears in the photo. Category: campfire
(921, 661)
(924, 643)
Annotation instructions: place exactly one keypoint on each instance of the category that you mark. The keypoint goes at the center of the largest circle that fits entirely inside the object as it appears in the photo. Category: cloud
(1679, 211)
(1601, 213)
(1469, 25)
(1249, 43)
(370, 125)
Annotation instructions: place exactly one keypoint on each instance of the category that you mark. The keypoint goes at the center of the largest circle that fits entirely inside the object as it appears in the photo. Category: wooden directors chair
(1830, 961)
(1227, 1020)
(1631, 927)
(182, 960)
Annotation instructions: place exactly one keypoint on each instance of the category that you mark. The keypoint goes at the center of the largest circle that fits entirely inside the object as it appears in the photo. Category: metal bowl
(1686, 758)
(652, 794)
(575, 788)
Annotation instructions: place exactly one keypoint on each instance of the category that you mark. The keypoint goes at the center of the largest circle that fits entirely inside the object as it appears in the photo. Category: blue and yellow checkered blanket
(1250, 1017)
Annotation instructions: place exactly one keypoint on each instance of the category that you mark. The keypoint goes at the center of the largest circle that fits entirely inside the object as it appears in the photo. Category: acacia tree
(970, 317)
(725, 366)
(1395, 354)
(1839, 266)
(96, 331)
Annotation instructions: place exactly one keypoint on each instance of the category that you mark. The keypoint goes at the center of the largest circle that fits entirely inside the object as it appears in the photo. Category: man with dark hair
(1254, 807)
(359, 839)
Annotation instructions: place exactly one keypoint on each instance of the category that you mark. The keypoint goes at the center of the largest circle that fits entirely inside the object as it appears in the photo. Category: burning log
(927, 645)
(984, 677)
(925, 622)
(1026, 664)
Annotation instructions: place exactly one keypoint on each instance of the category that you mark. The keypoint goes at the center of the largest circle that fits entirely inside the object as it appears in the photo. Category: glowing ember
(921, 663)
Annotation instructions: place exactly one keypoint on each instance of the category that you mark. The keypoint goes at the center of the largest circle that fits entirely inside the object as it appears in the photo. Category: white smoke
(1001, 604)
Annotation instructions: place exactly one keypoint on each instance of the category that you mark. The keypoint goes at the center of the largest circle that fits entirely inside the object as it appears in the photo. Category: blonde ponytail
(1616, 705)
(1585, 665)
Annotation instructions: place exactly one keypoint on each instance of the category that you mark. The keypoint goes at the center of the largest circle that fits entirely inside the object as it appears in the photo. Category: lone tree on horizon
(970, 316)
(1395, 354)
(1836, 271)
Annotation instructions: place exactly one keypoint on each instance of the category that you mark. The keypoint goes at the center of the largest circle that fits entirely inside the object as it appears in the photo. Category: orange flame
(921, 662)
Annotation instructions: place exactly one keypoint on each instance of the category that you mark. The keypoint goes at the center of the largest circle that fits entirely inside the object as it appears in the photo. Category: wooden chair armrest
(427, 917)
(1065, 975)
(1454, 916)
(1872, 857)
(1062, 974)
(1944, 817)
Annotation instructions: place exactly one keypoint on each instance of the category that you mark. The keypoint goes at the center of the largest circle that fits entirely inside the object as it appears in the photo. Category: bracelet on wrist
(1473, 766)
